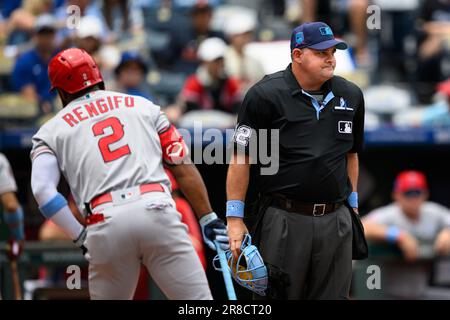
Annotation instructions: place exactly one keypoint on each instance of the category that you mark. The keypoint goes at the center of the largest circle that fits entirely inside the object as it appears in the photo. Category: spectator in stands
(411, 220)
(239, 32)
(109, 6)
(314, 10)
(6, 8)
(433, 43)
(438, 115)
(182, 55)
(130, 76)
(88, 36)
(66, 35)
(19, 26)
(29, 76)
(210, 87)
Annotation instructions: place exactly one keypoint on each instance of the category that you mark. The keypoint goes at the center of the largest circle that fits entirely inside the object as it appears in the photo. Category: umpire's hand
(236, 231)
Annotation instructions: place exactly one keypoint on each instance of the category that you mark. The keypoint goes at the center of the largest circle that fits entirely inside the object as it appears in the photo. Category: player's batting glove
(80, 242)
(214, 228)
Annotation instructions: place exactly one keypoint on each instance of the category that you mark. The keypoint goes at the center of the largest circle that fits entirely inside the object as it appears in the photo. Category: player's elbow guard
(173, 147)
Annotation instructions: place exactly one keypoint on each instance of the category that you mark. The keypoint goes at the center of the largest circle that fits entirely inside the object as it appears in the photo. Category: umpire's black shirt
(314, 136)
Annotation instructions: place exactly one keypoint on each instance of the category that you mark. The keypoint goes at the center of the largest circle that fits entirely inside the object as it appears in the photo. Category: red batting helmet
(73, 70)
(410, 180)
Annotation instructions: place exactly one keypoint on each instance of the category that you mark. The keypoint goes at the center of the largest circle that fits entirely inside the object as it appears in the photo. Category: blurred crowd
(188, 55)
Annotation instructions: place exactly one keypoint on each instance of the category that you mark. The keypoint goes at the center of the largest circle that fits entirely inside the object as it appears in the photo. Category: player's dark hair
(98, 86)
(66, 97)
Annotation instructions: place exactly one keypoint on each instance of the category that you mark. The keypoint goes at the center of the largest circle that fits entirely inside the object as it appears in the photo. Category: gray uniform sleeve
(444, 214)
(385, 216)
(40, 144)
(7, 181)
(162, 123)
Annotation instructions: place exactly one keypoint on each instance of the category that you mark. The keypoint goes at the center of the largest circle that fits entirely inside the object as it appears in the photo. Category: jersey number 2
(104, 143)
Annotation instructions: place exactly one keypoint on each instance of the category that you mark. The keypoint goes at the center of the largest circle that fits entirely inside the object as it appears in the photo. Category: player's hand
(236, 232)
(214, 229)
(14, 249)
(442, 243)
(409, 246)
(80, 243)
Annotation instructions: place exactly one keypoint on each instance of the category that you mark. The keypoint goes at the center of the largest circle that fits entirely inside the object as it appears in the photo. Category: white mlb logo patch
(345, 126)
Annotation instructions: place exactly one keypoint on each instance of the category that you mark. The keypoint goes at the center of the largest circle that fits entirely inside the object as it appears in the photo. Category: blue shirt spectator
(130, 76)
(181, 56)
(30, 69)
(7, 7)
(29, 76)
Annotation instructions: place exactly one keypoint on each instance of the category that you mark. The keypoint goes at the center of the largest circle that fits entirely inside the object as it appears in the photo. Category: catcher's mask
(249, 270)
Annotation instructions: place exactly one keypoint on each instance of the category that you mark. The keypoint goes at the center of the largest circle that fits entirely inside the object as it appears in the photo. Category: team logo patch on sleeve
(345, 126)
(242, 135)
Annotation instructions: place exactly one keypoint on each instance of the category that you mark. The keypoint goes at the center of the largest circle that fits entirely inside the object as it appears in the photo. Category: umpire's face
(318, 64)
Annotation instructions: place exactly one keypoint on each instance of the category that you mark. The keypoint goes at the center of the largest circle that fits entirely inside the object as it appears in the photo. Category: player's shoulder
(391, 210)
(435, 208)
(266, 87)
(47, 129)
(271, 82)
(3, 158)
(342, 86)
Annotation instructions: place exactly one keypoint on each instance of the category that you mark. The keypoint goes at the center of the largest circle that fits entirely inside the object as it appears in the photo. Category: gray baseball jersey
(7, 181)
(105, 141)
(433, 217)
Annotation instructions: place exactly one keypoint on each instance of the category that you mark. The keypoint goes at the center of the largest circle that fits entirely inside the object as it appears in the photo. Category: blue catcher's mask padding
(249, 270)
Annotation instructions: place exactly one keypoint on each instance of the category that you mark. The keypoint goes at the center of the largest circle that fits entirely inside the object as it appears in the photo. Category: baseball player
(111, 147)
(12, 211)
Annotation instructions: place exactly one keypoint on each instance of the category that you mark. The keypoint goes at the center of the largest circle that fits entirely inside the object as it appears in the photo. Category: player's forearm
(353, 169)
(13, 215)
(380, 232)
(53, 206)
(238, 177)
(374, 231)
(193, 188)
(9, 201)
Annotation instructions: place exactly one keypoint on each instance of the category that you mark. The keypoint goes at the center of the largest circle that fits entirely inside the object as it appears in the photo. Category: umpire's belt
(311, 209)
(143, 188)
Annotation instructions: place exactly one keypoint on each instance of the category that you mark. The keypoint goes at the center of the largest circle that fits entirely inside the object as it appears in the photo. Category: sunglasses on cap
(413, 193)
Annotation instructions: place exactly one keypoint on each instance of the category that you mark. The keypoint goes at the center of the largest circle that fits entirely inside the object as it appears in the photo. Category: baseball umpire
(304, 216)
(111, 148)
